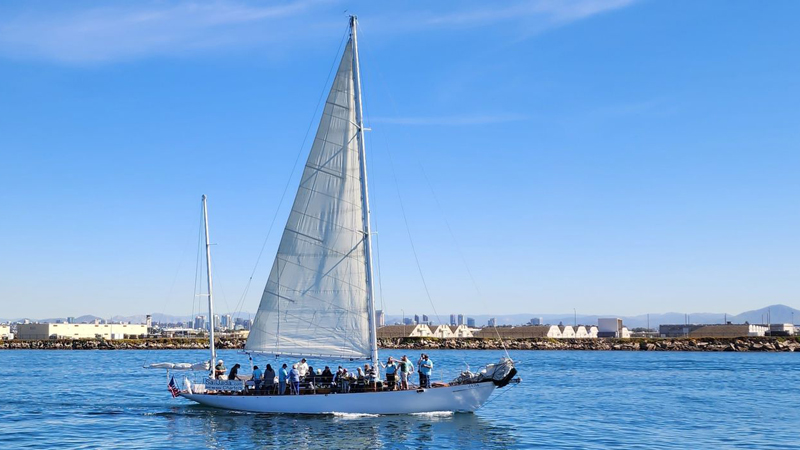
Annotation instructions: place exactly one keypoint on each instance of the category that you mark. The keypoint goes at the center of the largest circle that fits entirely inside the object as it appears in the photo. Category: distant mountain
(773, 314)
(779, 314)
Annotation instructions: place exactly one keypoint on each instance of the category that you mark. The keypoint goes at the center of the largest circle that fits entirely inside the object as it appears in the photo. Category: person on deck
(406, 368)
(327, 376)
(311, 376)
(258, 376)
(426, 369)
(419, 370)
(343, 378)
(302, 368)
(371, 376)
(391, 373)
(360, 374)
(294, 378)
(283, 374)
(269, 379)
(219, 369)
(234, 373)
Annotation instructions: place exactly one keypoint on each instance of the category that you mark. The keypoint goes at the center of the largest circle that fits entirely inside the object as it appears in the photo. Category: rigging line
(458, 249)
(171, 289)
(405, 220)
(408, 231)
(371, 162)
(374, 196)
(288, 181)
(197, 275)
(441, 210)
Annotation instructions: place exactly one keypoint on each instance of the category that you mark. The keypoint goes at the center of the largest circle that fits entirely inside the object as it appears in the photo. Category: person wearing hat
(426, 370)
(219, 369)
(294, 378)
(391, 373)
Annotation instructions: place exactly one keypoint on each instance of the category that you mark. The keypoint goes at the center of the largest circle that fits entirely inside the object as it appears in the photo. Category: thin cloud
(451, 120)
(130, 32)
(525, 18)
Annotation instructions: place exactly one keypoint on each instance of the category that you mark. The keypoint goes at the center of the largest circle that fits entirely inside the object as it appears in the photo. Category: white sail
(316, 299)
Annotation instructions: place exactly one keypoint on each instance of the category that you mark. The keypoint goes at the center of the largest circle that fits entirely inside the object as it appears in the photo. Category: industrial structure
(80, 331)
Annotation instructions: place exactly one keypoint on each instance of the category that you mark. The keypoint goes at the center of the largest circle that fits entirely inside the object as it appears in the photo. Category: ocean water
(567, 399)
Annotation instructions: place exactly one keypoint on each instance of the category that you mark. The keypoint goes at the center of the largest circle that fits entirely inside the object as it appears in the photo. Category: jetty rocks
(750, 344)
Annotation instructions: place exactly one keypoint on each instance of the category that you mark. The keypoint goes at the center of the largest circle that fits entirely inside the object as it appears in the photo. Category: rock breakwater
(751, 344)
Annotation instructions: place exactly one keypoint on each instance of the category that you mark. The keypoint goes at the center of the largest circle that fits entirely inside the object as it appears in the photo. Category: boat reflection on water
(229, 429)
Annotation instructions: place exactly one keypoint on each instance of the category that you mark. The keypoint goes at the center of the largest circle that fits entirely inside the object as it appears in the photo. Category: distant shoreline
(749, 344)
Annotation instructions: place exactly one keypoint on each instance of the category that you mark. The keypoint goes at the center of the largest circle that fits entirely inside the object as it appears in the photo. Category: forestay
(315, 302)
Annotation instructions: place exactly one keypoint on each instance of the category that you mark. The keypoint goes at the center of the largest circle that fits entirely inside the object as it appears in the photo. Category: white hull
(462, 398)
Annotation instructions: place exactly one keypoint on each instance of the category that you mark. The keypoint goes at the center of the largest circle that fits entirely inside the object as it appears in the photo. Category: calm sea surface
(569, 399)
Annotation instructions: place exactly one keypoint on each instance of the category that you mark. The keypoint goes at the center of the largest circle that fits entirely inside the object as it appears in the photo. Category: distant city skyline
(767, 314)
(616, 156)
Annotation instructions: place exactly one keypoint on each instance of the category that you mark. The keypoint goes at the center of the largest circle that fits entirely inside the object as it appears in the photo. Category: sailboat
(319, 298)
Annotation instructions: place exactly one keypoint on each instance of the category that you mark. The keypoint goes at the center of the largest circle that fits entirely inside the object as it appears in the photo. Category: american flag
(173, 387)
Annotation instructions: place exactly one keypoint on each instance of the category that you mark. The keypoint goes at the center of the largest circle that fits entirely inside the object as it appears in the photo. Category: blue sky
(610, 156)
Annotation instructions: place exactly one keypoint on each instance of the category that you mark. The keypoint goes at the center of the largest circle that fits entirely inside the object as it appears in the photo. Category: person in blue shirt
(294, 378)
(391, 374)
(258, 374)
(425, 371)
(283, 374)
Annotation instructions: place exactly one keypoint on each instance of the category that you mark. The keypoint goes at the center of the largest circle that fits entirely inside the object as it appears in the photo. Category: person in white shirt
(302, 367)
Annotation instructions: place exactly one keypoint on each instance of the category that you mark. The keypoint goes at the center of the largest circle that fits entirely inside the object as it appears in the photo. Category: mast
(210, 296)
(373, 332)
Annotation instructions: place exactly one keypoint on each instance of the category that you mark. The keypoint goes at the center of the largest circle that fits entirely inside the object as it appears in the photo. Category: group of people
(289, 380)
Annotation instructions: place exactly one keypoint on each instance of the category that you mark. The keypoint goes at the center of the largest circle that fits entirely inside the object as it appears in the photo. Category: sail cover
(315, 300)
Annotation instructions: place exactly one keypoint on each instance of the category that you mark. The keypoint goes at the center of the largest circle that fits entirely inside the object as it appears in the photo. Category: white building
(612, 328)
(80, 331)
(567, 332)
(442, 331)
(461, 331)
(781, 329)
(522, 332)
(402, 331)
(5, 332)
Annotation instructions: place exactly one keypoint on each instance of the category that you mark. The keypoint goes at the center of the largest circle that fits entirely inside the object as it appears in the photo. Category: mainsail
(316, 301)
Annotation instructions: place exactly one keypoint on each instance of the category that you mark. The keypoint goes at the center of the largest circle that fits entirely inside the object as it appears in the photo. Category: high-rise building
(470, 322)
(425, 319)
(148, 321)
(408, 321)
(217, 321)
(199, 322)
(380, 318)
(460, 319)
(536, 321)
(227, 322)
(492, 322)
(247, 324)
(70, 320)
(416, 318)
(453, 319)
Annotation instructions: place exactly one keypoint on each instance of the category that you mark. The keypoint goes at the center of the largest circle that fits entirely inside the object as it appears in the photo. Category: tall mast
(373, 332)
(210, 290)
